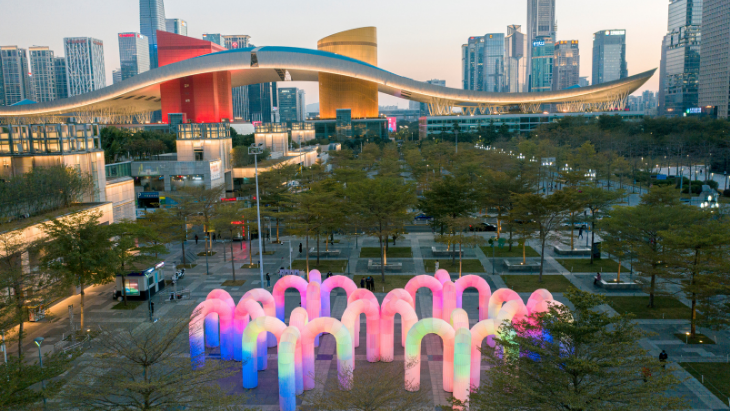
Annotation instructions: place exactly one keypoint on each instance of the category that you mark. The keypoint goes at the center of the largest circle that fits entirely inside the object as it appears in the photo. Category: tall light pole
(38, 341)
(255, 150)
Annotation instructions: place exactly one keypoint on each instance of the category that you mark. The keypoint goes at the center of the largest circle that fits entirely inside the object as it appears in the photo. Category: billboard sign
(391, 124)
(215, 170)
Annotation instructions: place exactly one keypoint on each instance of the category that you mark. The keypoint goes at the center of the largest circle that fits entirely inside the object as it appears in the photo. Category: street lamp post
(255, 150)
(38, 341)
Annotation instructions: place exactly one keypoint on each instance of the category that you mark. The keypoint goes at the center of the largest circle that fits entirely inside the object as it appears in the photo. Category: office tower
(680, 68)
(59, 64)
(16, 81)
(540, 23)
(84, 65)
(472, 64)
(43, 80)
(566, 65)
(515, 64)
(714, 87)
(649, 100)
(235, 41)
(584, 82)
(239, 94)
(543, 54)
(494, 62)
(151, 20)
(609, 56)
(214, 38)
(290, 109)
(116, 76)
(177, 26)
(424, 106)
(134, 54)
(301, 105)
(262, 100)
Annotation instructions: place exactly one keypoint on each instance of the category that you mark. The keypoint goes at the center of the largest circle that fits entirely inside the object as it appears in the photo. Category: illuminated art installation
(245, 330)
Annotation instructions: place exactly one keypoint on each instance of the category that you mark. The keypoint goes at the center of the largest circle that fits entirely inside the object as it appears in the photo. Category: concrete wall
(120, 192)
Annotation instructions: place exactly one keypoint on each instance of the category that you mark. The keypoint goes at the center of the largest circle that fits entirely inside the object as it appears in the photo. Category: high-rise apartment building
(236, 41)
(43, 80)
(543, 55)
(134, 54)
(494, 62)
(59, 64)
(566, 65)
(515, 61)
(424, 106)
(472, 64)
(301, 105)
(540, 23)
(151, 20)
(84, 65)
(290, 109)
(609, 56)
(177, 26)
(15, 78)
(680, 71)
(262, 102)
(216, 38)
(714, 89)
(584, 82)
(116, 76)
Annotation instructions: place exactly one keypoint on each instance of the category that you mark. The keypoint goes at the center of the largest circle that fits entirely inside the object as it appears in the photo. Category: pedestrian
(663, 356)
(196, 239)
(437, 265)
(280, 270)
(362, 282)
(597, 279)
(372, 283)
(329, 274)
(268, 280)
(580, 231)
(213, 234)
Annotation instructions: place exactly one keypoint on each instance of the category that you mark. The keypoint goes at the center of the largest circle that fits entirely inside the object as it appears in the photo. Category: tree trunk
(651, 290)
(20, 308)
(542, 253)
(459, 260)
(250, 253)
(233, 267)
(693, 326)
(277, 229)
(618, 278)
(593, 232)
(510, 236)
(83, 295)
(183, 250)
(317, 248)
(572, 229)
(382, 259)
(307, 243)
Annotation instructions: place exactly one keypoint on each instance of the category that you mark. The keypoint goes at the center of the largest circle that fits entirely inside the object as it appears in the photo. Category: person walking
(268, 280)
(362, 282)
(663, 356)
(437, 265)
(280, 270)
(329, 274)
(580, 231)
(196, 239)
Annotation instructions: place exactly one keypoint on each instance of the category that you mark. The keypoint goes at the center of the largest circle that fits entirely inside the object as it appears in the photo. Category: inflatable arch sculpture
(211, 320)
(330, 284)
(249, 346)
(413, 351)
(299, 320)
(442, 275)
(397, 301)
(197, 330)
(482, 287)
(432, 284)
(267, 301)
(345, 359)
(246, 311)
(372, 314)
(360, 294)
(284, 283)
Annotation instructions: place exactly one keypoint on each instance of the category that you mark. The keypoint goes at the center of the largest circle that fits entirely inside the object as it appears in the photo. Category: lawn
(336, 266)
(697, 339)
(505, 252)
(583, 265)
(393, 252)
(468, 266)
(530, 283)
(664, 307)
(717, 377)
(231, 283)
(391, 281)
(131, 305)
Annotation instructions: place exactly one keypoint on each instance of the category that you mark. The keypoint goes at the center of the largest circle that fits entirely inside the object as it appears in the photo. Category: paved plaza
(100, 313)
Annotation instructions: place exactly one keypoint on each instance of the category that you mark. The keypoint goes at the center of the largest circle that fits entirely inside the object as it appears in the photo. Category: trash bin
(596, 250)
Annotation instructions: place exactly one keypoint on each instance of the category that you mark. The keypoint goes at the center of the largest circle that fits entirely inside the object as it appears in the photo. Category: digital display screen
(131, 287)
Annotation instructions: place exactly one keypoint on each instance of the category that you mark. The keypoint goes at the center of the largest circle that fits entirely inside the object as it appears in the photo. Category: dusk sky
(416, 39)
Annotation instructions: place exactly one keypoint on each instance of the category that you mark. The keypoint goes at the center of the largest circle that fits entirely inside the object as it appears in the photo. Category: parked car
(483, 227)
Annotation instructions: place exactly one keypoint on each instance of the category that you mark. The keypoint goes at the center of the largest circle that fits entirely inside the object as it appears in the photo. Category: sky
(419, 39)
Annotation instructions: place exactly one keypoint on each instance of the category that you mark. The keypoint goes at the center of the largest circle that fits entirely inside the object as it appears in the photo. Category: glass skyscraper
(152, 19)
(494, 62)
(289, 105)
(262, 100)
(566, 65)
(44, 74)
(540, 23)
(472, 64)
(609, 56)
(238, 94)
(15, 79)
(515, 65)
(84, 65)
(134, 54)
(714, 89)
(177, 26)
(59, 64)
(543, 54)
(680, 74)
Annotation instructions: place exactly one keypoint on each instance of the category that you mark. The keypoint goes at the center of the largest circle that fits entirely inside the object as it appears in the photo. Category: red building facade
(203, 98)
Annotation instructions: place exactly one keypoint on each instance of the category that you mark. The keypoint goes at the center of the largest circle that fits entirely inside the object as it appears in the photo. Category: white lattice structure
(84, 65)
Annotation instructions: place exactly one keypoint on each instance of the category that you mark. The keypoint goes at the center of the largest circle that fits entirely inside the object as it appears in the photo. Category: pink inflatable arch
(462, 364)
(284, 283)
(482, 287)
(360, 294)
(211, 320)
(500, 297)
(313, 301)
(317, 326)
(255, 328)
(448, 298)
(299, 319)
(480, 331)
(387, 314)
(330, 284)
(442, 275)
(267, 301)
(432, 284)
(537, 297)
(197, 330)
(459, 319)
(398, 294)
(413, 351)
(372, 314)
(315, 277)
(513, 310)
(246, 310)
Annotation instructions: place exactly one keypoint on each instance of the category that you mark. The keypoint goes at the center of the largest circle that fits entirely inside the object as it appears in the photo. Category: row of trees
(123, 143)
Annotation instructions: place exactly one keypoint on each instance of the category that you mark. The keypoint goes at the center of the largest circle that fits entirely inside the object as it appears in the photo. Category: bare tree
(147, 369)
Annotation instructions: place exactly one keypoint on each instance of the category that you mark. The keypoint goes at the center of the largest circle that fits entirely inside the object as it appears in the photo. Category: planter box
(518, 266)
(565, 250)
(443, 252)
(611, 285)
(323, 253)
(375, 266)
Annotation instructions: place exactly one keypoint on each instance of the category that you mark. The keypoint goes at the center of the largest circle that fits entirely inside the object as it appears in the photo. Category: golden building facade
(336, 91)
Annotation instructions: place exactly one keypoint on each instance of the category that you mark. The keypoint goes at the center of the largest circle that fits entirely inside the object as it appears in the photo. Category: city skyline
(307, 23)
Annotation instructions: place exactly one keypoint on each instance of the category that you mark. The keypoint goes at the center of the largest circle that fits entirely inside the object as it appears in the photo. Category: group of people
(367, 283)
